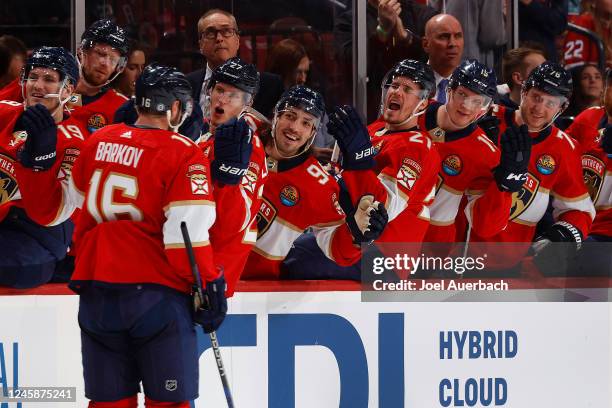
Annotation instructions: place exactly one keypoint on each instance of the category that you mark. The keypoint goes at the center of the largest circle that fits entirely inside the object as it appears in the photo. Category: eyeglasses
(211, 32)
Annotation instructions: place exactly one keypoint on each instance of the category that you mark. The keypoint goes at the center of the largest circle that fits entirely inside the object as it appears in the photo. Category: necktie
(442, 91)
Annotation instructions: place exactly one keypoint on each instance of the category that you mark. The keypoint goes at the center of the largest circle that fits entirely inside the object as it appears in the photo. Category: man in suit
(219, 40)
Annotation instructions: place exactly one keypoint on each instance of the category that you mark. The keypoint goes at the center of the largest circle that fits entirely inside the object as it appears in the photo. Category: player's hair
(514, 61)
(219, 11)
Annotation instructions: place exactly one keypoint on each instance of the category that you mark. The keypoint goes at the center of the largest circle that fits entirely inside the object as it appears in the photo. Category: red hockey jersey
(12, 91)
(405, 177)
(97, 111)
(136, 186)
(299, 194)
(235, 230)
(468, 159)
(596, 166)
(555, 172)
(578, 49)
(18, 190)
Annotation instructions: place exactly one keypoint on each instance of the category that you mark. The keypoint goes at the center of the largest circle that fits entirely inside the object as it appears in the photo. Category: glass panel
(169, 29)
(37, 22)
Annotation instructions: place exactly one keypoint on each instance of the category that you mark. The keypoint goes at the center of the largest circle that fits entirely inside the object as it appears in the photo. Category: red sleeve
(571, 201)
(45, 194)
(189, 199)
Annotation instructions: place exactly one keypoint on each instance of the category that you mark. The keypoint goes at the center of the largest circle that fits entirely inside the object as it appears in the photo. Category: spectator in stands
(288, 58)
(18, 53)
(483, 22)
(541, 21)
(588, 88)
(443, 42)
(580, 49)
(517, 64)
(395, 30)
(125, 83)
(219, 40)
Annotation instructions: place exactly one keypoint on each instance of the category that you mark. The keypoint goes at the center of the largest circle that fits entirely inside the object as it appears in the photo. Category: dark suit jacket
(270, 90)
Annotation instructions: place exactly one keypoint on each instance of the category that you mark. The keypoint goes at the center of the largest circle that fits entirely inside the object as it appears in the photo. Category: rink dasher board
(293, 347)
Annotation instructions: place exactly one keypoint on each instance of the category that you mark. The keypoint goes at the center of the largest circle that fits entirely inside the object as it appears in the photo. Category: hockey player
(471, 163)
(136, 185)
(30, 249)
(593, 130)
(238, 165)
(102, 56)
(299, 194)
(554, 170)
(405, 164)
(402, 171)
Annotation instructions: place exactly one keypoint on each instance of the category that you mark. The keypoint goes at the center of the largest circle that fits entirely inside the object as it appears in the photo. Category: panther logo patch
(593, 172)
(524, 197)
(8, 182)
(265, 216)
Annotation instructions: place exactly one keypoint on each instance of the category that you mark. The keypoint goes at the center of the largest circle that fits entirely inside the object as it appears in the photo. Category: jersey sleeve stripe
(397, 201)
(584, 205)
(199, 217)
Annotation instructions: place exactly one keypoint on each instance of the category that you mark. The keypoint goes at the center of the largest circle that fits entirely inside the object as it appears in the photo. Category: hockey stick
(202, 301)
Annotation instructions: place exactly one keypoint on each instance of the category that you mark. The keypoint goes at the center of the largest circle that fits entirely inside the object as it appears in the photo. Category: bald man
(443, 43)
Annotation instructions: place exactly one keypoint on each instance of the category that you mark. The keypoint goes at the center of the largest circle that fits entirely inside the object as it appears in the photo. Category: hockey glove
(232, 151)
(515, 152)
(212, 314)
(606, 140)
(368, 221)
(555, 247)
(490, 125)
(346, 127)
(38, 151)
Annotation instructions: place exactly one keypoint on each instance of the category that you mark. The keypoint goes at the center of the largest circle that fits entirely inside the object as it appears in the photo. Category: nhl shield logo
(171, 385)
(524, 197)
(593, 172)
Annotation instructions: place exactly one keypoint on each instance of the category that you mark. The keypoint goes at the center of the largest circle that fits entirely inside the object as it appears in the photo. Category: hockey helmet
(475, 76)
(304, 98)
(551, 78)
(416, 71)
(237, 73)
(106, 32)
(58, 59)
(159, 86)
